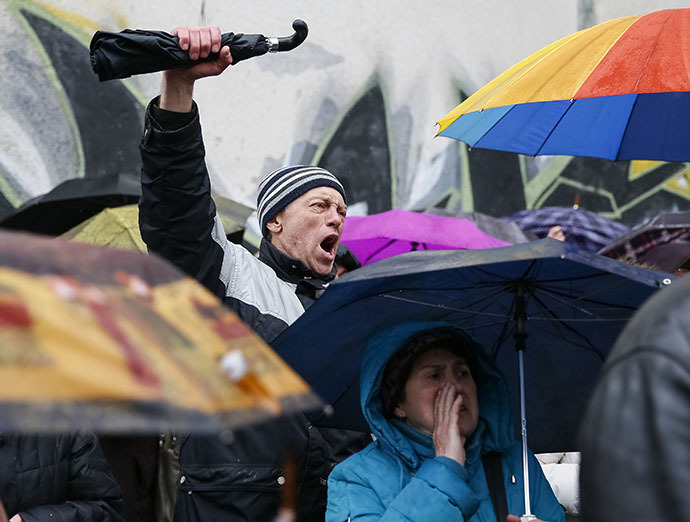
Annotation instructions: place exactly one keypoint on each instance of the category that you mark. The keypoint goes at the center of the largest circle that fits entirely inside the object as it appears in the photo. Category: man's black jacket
(57, 477)
(240, 479)
(635, 436)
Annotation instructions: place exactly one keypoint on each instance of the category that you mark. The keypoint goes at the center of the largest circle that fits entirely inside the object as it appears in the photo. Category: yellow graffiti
(680, 184)
(69, 17)
(639, 168)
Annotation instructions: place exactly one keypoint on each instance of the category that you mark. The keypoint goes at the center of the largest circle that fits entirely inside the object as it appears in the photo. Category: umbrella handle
(288, 43)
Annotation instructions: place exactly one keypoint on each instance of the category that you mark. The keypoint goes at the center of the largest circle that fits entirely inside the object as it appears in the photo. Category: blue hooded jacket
(398, 478)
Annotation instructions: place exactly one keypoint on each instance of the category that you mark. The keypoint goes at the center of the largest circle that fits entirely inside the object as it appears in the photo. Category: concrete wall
(360, 96)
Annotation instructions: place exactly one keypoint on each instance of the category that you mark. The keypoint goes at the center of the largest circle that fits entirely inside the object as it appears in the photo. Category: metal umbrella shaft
(520, 345)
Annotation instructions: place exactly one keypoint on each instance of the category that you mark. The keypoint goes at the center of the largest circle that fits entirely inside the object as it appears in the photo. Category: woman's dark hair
(399, 366)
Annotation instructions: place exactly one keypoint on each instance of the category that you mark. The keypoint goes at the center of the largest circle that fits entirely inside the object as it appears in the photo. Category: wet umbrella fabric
(497, 227)
(112, 341)
(378, 236)
(118, 227)
(618, 90)
(131, 52)
(112, 227)
(576, 304)
(587, 229)
(72, 202)
(663, 228)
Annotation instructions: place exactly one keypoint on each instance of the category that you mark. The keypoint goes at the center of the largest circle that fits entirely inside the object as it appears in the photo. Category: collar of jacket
(294, 271)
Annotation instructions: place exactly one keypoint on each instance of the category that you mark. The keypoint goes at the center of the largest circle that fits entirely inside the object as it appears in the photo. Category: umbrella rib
(572, 303)
(503, 337)
(587, 298)
(569, 279)
(380, 250)
(627, 124)
(553, 127)
(488, 314)
(565, 325)
(340, 395)
(467, 311)
(442, 307)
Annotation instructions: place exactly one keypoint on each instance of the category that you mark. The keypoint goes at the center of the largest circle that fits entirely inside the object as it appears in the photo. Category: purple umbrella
(378, 236)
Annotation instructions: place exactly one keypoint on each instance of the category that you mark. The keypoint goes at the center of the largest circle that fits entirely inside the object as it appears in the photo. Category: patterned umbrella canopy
(587, 229)
(107, 340)
(662, 229)
(619, 90)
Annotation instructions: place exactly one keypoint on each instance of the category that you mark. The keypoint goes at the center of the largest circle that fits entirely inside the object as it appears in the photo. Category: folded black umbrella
(131, 52)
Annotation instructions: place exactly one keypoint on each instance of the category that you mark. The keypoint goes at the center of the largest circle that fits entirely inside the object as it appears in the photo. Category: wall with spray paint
(360, 97)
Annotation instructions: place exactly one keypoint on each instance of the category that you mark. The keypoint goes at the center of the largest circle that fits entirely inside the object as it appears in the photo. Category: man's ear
(274, 226)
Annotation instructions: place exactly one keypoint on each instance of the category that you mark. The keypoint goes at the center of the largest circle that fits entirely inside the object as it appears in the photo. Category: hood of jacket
(493, 432)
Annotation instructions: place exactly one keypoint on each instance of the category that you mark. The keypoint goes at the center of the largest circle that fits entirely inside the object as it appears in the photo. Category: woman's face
(429, 373)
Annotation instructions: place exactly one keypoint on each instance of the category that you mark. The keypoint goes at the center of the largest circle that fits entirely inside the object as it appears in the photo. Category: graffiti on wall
(75, 126)
(89, 130)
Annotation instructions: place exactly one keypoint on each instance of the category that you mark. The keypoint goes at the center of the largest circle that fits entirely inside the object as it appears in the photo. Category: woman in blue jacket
(436, 405)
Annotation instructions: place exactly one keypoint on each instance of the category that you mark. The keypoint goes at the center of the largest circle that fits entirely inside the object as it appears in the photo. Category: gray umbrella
(493, 226)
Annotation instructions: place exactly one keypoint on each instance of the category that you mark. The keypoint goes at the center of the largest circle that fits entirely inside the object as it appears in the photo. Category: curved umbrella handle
(288, 43)
(131, 52)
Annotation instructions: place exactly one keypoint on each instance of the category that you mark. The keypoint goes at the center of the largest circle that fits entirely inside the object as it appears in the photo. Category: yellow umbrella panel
(118, 227)
(113, 341)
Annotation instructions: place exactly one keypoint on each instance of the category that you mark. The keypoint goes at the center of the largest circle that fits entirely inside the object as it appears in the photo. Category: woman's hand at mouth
(446, 436)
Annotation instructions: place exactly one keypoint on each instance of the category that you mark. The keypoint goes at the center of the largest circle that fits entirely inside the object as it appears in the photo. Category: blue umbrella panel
(574, 305)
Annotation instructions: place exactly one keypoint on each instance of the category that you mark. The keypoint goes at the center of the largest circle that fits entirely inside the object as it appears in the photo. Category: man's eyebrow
(328, 198)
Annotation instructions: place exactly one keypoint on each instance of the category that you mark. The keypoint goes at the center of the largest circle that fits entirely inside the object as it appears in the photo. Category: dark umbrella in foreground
(72, 202)
(560, 307)
(130, 52)
(587, 229)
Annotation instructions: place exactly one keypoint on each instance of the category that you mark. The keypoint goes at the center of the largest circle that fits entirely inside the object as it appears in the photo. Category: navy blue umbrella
(547, 313)
(574, 303)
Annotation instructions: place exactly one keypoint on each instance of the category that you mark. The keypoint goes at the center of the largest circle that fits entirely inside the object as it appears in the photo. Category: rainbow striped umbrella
(619, 90)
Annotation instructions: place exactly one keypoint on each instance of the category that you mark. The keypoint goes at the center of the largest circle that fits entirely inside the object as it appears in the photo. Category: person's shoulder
(361, 464)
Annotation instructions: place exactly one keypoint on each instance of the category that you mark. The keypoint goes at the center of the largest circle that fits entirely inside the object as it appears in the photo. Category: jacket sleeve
(439, 491)
(92, 493)
(177, 216)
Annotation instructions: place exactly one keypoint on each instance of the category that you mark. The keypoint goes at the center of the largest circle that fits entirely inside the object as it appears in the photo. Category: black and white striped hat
(286, 184)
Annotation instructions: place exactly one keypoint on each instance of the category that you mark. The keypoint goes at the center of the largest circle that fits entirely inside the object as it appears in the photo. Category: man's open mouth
(329, 244)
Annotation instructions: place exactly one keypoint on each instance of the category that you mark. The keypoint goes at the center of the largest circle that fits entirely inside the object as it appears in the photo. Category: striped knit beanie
(284, 185)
